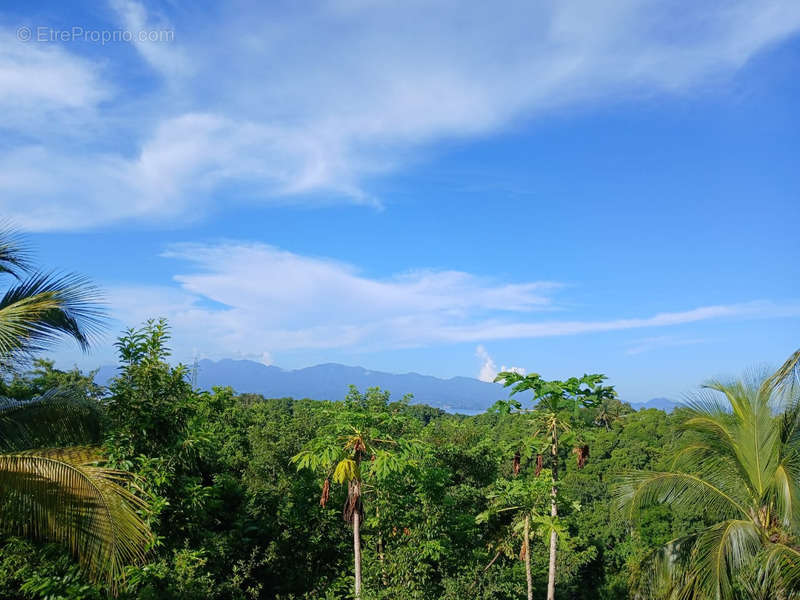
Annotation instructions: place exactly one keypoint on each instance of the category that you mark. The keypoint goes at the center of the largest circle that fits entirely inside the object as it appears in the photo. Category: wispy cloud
(44, 82)
(254, 298)
(287, 103)
(168, 59)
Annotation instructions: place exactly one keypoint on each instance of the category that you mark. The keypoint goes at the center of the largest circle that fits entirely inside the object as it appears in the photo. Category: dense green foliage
(55, 483)
(443, 498)
(739, 459)
(558, 415)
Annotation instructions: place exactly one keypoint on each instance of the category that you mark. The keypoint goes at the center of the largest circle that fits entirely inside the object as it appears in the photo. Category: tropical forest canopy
(150, 488)
(253, 497)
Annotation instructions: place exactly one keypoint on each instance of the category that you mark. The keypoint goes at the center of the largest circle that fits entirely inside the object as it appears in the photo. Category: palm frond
(711, 421)
(664, 573)
(718, 554)
(14, 254)
(634, 490)
(715, 430)
(783, 562)
(785, 377)
(743, 395)
(739, 461)
(785, 489)
(61, 495)
(747, 436)
(47, 306)
(790, 423)
(59, 416)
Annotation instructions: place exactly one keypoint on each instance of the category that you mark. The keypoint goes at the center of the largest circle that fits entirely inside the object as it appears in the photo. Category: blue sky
(447, 188)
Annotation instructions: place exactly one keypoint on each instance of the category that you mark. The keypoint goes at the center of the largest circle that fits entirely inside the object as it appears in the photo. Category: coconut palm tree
(52, 493)
(39, 307)
(608, 412)
(739, 463)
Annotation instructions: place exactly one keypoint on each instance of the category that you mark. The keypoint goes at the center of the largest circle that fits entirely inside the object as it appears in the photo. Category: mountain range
(330, 381)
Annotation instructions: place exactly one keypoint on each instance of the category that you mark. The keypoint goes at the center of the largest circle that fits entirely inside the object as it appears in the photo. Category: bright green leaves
(524, 492)
(555, 396)
(41, 307)
(737, 461)
(520, 382)
(365, 439)
(346, 470)
(519, 496)
(145, 344)
(558, 417)
(720, 552)
(639, 489)
(63, 495)
(151, 401)
(322, 453)
(544, 525)
(505, 407)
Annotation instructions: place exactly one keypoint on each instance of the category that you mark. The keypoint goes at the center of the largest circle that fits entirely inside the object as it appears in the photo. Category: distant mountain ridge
(330, 381)
(664, 404)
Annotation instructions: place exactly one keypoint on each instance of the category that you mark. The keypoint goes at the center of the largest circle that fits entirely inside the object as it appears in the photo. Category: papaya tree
(359, 448)
(522, 498)
(556, 416)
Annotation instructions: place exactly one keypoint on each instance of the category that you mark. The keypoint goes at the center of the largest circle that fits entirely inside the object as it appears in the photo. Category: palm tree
(59, 494)
(609, 411)
(738, 462)
(41, 307)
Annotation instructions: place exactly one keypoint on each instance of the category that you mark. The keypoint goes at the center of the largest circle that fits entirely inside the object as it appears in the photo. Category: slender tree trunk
(356, 491)
(382, 558)
(486, 568)
(357, 550)
(528, 575)
(551, 572)
(381, 551)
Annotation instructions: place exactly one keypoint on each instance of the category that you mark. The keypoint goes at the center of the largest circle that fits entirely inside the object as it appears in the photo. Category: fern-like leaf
(62, 495)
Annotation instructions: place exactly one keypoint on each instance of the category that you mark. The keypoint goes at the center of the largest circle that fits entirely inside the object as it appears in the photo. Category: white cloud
(495, 329)
(44, 88)
(46, 76)
(245, 299)
(296, 301)
(488, 370)
(285, 105)
(159, 52)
